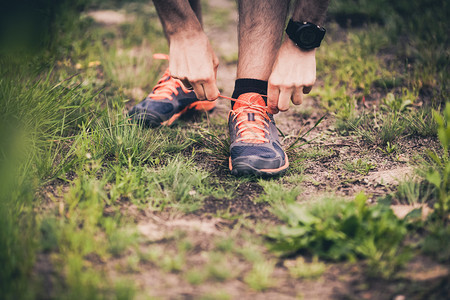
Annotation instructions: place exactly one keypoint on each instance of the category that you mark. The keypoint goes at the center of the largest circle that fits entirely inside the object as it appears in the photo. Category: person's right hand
(193, 61)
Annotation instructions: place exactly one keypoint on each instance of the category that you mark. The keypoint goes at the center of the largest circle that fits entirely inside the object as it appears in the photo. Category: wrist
(193, 33)
(305, 35)
(290, 46)
(186, 26)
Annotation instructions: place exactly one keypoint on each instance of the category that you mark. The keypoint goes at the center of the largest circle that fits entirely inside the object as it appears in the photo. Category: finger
(211, 91)
(199, 91)
(297, 97)
(284, 99)
(307, 89)
(186, 84)
(272, 99)
(216, 65)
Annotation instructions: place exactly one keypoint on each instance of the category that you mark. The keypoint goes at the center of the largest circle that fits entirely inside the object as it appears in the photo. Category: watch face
(307, 36)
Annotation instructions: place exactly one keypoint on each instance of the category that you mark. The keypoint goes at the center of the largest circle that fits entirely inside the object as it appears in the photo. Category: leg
(261, 26)
(197, 8)
(255, 147)
(169, 99)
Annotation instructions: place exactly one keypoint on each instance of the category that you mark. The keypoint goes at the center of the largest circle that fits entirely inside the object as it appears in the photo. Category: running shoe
(167, 102)
(255, 147)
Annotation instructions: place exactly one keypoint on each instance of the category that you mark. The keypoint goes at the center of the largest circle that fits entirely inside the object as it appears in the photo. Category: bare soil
(422, 278)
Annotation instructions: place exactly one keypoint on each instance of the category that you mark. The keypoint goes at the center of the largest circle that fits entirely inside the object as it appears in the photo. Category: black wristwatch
(305, 35)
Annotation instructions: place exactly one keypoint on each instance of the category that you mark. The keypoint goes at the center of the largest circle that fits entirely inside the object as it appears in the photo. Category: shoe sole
(241, 168)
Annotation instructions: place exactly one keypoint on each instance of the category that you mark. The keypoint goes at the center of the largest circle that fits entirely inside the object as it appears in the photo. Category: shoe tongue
(249, 99)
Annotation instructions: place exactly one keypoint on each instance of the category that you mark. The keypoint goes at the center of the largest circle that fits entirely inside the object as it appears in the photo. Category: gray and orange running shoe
(255, 148)
(168, 101)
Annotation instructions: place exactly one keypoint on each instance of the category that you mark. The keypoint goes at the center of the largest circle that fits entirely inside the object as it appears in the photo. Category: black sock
(248, 85)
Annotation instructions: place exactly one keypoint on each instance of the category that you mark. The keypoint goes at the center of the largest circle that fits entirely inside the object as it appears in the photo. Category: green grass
(72, 167)
(259, 278)
(274, 192)
(302, 269)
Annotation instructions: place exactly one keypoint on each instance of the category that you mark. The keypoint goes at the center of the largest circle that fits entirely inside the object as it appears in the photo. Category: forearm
(294, 70)
(177, 17)
(313, 11)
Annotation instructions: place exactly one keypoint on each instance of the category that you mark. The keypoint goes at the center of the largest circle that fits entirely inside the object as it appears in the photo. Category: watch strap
(291, 29)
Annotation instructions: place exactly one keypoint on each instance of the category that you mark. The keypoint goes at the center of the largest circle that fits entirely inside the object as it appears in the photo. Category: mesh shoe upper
(255, 147)
(167, 101)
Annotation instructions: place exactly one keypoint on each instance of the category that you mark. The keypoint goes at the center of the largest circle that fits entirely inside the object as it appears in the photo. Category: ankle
(249, 85)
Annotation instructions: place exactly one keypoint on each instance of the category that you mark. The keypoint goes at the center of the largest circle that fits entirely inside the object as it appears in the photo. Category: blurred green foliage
(29, 26)
(340, 230)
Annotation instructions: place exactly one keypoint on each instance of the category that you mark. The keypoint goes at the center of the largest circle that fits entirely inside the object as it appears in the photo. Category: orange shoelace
(252, 119)
(167, 85)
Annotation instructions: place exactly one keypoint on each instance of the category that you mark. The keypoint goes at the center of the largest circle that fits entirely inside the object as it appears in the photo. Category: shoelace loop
(253, 131)
(167, 85)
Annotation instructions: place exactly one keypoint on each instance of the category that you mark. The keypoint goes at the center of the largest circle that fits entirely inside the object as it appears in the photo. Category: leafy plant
(360, 166)
(339, 230)
(390, 148)
(438, 174)
(398, 104)
(437, 242)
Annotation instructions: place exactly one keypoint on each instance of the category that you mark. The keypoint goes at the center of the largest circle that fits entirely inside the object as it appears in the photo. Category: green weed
(195, 276)
(413, 192)
(215, 145)
(300, 136)
(125, 289)
(119, 238)
(339, 230)
(390, 148)
(421, 123)
(218, 295)
(173, 262)
(359, 166)
(299, 268)
(275, 192)
(251, 252)
(436, 243)
(218, 267)
(438, 174)
(225, 244)
(259, 278)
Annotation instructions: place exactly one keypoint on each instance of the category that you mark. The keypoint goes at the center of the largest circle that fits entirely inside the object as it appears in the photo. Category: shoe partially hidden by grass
(168, 101)
(255, 147)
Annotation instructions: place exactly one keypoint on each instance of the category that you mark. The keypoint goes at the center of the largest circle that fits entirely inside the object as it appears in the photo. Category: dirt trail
(324, 175)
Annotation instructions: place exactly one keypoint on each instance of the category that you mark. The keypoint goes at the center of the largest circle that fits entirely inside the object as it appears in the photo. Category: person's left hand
(293, 74)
